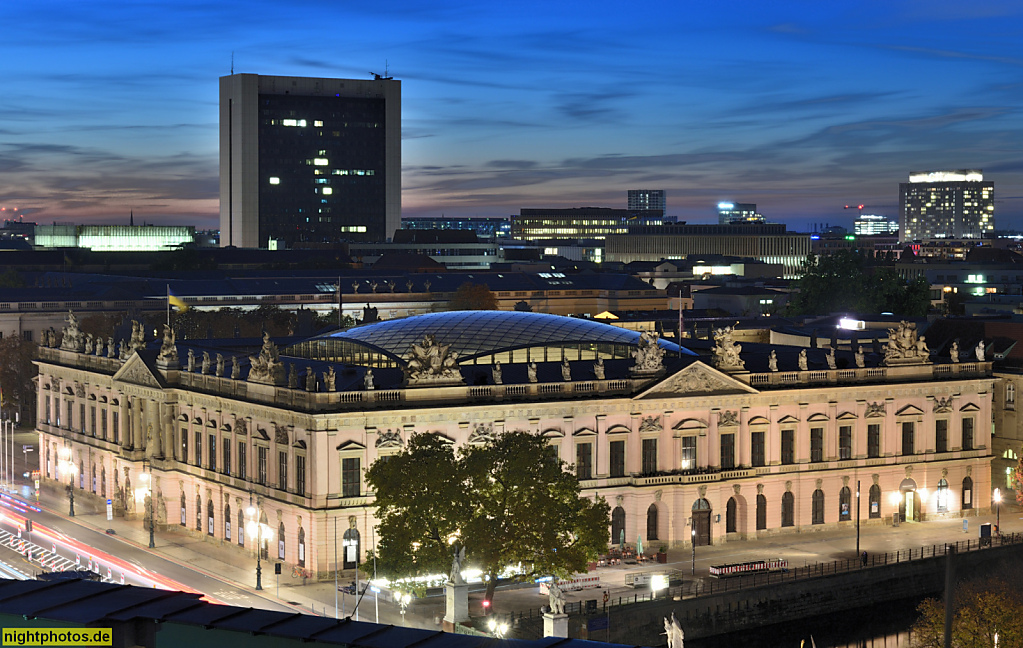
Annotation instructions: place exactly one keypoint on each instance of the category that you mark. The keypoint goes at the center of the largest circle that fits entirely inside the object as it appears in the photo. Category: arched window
(788, 509)
(651, 522)
(227, 522)
(241, 526)
(351, 549)
(81, 474)
(817, 510)
(941, 496)
(844, 504)
(618, 525)
(967, 493)
(93, 478)
(730, 515)
(210, 528)
(280, 541)
(265, 548)
(875, 502)
(183, 518)
(761, 512)
(103, 481)
(198, 513)
(301, 547)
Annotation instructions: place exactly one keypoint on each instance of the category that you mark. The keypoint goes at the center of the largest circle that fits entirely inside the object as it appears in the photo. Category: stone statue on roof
(905, 347)
(802, 360)
(531, 372)
(329, 379)
(598, 369)
(772, 361)
(73, 338)
(566, 370)
(497, 373)
(432, 363)
(266, 368)
(954, 351)
(859, 357)
(727, 350)
(830, 357)
(980, 351)
(168, 349)
(649, 355)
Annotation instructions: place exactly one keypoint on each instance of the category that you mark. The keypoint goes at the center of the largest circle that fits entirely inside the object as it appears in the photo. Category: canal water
(878, 626)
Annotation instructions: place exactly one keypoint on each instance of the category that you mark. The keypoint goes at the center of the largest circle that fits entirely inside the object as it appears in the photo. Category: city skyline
(111, 108)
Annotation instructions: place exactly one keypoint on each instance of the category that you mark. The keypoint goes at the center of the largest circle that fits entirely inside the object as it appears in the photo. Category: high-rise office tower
(729, 212)
(306, 160)
(872, 224)
(644, 199)
(946, 204)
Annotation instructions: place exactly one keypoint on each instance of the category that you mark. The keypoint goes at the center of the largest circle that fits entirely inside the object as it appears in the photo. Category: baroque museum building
(729, 444)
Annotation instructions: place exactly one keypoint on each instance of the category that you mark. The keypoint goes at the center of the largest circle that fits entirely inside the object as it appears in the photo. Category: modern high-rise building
(730, 212)
(306, 160)
(644, 199)
(871, 224)
(946, 204)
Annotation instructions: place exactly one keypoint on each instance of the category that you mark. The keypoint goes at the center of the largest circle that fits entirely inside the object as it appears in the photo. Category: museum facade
(212, 436)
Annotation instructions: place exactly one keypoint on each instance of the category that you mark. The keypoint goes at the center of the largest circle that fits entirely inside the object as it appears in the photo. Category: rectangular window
(351, 477)
(81, 417)
(115, 423)
(261, 468)
(242, 465)
(649, 456)
(198, 448)
(727, 451)
(788, 446)
(70, 415)
(941, 435)
(874, 440)
(908, 432)
(103, 422)
(282, 471)
(227, 457)
(845, 442)
(968, 433)
(816, 445)
(758, 457)
(92, 420)
(300, 474)
(213, 452)
(584, 460)
(47, 413)
(617, 457)
(688, 452)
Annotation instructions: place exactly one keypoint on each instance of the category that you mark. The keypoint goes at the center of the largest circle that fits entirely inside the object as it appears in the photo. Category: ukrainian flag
(176, 301)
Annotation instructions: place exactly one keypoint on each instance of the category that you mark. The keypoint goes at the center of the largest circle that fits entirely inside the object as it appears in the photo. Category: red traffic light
(486, 603)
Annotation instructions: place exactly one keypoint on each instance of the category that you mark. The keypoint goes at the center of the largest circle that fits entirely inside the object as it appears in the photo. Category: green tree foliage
(982, 609)
(329, 320)
(17, 377)
(844, 282)
(12, 279)
(508, 501)
(1017, 478)
(197, 324)
(470, 296)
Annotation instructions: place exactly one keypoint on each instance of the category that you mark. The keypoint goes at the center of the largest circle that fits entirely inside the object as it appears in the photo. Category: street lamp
(498, 629)
(66, 466)
(145, 493)
(896, 499)
(403, 599)
(998, 511)
(256, 528)
(692, 530)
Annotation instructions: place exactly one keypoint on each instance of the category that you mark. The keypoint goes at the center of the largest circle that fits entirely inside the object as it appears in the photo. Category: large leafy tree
(844, 281)
(510, 501)
(472, 296)
(982, 609)
(17, 377)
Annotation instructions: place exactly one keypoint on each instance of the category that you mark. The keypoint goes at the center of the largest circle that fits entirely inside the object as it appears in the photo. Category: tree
(225, 322)
(844, 282)
(470, 296)
(17, 377)
(497, 500)
(1017, 479)
(982, 609)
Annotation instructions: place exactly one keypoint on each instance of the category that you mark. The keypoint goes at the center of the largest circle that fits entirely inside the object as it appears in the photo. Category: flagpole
(168, 304)
(680, 321)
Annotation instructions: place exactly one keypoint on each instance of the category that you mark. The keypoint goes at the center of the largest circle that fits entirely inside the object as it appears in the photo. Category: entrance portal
(701, 522)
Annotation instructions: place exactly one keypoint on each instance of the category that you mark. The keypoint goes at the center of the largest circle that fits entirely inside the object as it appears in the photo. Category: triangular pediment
(350, 446)
(909, 410)
(788, 419)
(136, 372)
(847, 416)
(969, 407)
(697, 378)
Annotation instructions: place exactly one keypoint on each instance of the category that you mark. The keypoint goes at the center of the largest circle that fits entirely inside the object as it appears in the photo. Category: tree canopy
(471, 296)
(509, 501)
(844, 282)
(17, 377)
(982, 609)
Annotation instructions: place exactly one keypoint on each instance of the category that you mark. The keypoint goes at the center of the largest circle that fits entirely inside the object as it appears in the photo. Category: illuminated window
(327, 191)
(275, 181)
(317, 123)
(320, 161)
(293, 122)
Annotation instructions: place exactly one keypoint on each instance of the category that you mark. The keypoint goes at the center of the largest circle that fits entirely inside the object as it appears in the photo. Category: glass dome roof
(480, 333)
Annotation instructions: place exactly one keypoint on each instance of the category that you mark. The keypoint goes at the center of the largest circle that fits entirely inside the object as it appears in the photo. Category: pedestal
(456, 609)
(555, 625)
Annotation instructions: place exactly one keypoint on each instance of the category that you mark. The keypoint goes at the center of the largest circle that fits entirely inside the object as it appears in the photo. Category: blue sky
(802, 107)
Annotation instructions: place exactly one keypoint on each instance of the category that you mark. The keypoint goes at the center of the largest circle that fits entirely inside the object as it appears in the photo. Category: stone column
(456, 609)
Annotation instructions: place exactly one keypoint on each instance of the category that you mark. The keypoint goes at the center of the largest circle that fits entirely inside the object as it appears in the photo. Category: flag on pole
(176, 301)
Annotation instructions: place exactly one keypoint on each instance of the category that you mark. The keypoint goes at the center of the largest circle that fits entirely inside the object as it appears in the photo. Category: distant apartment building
(306, 160)
(770, 243)
(946, 204)
(732, 212)
(647, 199)
(873, 224)
(115, 238)
(578, 223)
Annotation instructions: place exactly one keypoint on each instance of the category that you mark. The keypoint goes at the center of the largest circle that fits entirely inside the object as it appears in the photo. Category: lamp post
(256, 528)
(857, 519)
(998, 511)
(693, 534)
(66, 465)
(403, 598)
(498, 629)
(145, 493)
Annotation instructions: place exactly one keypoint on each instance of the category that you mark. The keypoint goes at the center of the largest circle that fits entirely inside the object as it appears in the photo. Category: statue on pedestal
(598, 369)
(954, 352)
(496, 371)
(649, 355)
(726, 351)
(802, 360)
(556, 597)
(772, 361)
(457, 559)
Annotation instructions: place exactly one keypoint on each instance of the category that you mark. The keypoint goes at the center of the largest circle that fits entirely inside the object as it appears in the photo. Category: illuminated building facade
(115, 238)
(646, 199)
(874, 224)
(673, 441)
(946, 204)
(308, 160)
(732, 212)
(578, 223)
